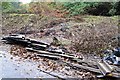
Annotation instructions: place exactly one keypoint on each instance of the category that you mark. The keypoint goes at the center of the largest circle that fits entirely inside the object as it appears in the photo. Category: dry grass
(94, 34)
(96, 37)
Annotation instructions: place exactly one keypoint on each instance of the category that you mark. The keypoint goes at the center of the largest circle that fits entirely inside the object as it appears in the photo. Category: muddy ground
(82, 36)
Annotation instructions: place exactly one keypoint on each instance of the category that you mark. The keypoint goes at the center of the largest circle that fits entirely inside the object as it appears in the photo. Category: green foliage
(6, 6)
(75, 8)
(117, 7)
(52, 4)
(101, 8)
(11, 7)
(92, 8)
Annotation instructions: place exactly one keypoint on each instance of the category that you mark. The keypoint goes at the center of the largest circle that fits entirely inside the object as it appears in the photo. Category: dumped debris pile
(60, 59)
(94, 31)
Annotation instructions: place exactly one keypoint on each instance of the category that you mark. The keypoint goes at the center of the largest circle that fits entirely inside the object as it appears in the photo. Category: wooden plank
(84, 67)
(20, 39)
(43, 54)
(38, 42)
(46, 52)
(49, 56)
(56, 51)
(85, 61)
(38, 46)
(117, 75)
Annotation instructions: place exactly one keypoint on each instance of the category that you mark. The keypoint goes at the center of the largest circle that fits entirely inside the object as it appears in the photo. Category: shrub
(92, 8)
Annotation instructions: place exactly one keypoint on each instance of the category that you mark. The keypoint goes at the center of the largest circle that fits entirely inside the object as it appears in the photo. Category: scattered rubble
(70, 62)
(79, 38)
